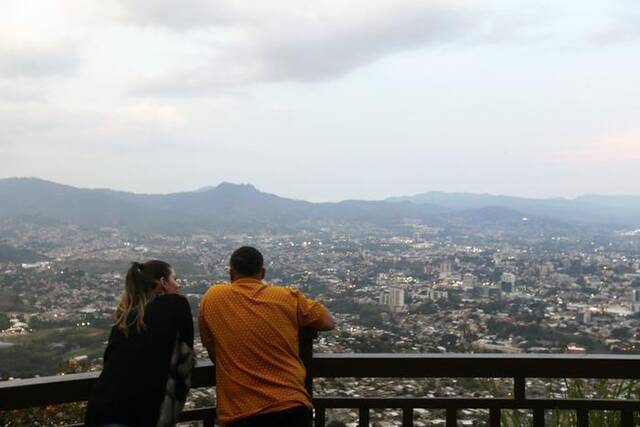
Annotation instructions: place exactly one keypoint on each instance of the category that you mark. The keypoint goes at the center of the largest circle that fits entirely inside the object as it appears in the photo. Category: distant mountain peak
(226, 184)
(228, 187)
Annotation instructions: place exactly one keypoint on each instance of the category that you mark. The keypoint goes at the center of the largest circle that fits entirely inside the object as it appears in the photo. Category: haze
(325, 100)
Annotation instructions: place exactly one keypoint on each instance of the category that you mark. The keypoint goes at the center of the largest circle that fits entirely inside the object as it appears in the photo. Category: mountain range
(587, 209)
(242, 206)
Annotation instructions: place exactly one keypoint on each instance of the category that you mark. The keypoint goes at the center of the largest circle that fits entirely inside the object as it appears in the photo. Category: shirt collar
(248, 281)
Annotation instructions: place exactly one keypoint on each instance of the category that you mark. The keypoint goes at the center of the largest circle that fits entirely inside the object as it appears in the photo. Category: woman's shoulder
(171, 298)
(163, 308)
(170, 303)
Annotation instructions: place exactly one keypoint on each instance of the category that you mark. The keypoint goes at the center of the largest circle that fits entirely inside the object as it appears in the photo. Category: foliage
(574, 389)
(51, 415)
(44, 351)
(621, 333)
(4, 322)
(10, 302)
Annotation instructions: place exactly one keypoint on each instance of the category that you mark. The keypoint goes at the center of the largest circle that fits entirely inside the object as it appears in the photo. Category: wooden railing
(519, 367)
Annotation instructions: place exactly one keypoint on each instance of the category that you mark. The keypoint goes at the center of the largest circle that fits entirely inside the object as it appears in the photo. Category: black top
(132, 384)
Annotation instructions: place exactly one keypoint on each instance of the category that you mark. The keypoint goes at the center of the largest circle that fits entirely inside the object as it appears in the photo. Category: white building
(436, 295)
(445, 269)
(394, 298)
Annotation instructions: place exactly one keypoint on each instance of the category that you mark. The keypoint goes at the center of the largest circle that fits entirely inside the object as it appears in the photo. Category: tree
(4, 322)
(621, 333)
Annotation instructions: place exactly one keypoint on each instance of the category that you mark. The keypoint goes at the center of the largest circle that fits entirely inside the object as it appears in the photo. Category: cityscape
(410, 288)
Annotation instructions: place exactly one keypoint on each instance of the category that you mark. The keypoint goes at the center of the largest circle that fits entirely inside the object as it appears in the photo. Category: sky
(325, 100)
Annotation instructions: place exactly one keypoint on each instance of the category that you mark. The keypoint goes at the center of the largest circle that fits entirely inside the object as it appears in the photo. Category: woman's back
(132, 385)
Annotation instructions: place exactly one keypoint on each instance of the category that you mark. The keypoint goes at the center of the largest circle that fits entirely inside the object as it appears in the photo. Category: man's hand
(325, 323)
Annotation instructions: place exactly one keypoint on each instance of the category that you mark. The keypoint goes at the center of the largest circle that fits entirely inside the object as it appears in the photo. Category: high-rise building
(584, 316)
(635, 300)
(394, 298)
(508, 282)
(445, 269)
(469, 281)
(397, 297)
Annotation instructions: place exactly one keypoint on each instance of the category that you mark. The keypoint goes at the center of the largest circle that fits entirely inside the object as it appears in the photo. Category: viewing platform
(43, 391)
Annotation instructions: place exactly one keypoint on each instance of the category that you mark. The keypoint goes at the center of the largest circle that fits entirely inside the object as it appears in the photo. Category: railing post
(519, 391)
(494, 417)
(452, 417)
(583, 417)
(363, 417)
(538, 417)
(209, 420)
(305, 349)
(319, 417)
(407, 417)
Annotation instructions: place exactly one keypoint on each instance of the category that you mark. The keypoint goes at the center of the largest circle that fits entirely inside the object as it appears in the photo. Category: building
(584, 317)
(508, 282)
(394, 298)
(469, 281)
(635, 300)
(436, 295)
(445, 269)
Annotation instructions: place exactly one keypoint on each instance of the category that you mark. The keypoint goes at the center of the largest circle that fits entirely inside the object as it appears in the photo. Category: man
(250, 330)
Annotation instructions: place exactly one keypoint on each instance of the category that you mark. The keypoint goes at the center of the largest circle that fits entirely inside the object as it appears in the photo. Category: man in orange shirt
(250, 330)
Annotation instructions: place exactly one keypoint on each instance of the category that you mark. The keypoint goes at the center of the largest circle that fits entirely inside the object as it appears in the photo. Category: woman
(148, 360)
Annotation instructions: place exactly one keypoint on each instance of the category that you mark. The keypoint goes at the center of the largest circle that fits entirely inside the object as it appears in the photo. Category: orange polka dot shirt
(252, 328)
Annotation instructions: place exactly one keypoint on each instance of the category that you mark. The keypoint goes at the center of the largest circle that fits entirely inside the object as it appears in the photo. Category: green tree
(4, 322)
(621, 333)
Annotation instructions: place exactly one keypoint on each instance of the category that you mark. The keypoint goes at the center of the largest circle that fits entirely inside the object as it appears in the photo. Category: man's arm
(324, 323)
(313, 314)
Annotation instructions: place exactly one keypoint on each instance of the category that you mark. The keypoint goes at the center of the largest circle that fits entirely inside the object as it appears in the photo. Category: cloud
(41, 123)
(168, 13)
(244, 42)
(27, 69)
(40, 39)
(621, 25)
(38, 60)
(247, 42)
(19, 91)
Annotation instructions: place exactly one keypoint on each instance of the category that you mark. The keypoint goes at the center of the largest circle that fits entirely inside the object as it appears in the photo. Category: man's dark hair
(247, 261)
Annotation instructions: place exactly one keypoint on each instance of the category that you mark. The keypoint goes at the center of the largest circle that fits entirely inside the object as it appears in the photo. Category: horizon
(324, 102)
(262, 190)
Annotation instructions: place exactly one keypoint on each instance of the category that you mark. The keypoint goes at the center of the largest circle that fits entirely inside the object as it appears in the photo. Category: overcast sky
(324, 100)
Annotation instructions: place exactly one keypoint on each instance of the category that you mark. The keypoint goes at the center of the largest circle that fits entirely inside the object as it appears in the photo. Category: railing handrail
(23, 393)
(475, 365)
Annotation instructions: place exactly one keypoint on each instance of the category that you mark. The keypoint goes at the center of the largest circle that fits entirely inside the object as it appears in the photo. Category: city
(410, 289)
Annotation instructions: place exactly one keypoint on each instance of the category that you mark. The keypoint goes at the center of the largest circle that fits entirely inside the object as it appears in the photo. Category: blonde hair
(140, 289)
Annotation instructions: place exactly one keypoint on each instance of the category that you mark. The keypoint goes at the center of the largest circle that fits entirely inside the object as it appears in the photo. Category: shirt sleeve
(206, 336)
(309, 311)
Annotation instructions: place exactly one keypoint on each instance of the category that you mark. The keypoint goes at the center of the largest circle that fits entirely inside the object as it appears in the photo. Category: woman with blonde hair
(149, 356)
